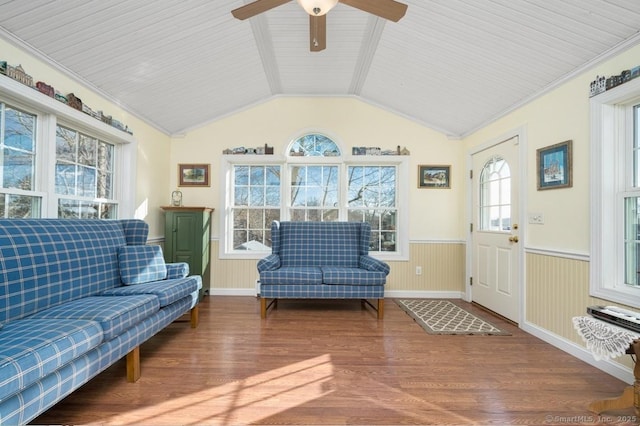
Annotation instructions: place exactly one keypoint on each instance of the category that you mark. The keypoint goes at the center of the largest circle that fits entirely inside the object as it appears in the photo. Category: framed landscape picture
(554, 165)
(434, 176)
(193, 174)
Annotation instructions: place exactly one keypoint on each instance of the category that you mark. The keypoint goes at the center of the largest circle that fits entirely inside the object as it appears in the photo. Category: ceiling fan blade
(317, 32)
(387, 9)
(256, 8)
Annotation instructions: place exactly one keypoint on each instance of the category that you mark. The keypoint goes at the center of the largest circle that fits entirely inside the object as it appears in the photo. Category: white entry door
(495, 235)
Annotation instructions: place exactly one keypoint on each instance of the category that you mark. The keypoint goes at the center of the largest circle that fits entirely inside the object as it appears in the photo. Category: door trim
(521, 133)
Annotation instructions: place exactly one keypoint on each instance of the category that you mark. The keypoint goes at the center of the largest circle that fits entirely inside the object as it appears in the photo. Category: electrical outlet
(536, 218)
(418, 270)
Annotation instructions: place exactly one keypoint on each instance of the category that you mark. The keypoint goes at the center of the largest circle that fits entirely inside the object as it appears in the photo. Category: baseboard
(618, 371)
(232, 292)
(412, 294)
(408, 294)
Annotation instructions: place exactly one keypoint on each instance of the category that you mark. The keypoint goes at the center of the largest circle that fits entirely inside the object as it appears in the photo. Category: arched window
(314, 145)
(495, 195)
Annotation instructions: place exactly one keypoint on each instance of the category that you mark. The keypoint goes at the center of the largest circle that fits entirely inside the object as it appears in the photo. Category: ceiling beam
(370, 41)
(264, 44)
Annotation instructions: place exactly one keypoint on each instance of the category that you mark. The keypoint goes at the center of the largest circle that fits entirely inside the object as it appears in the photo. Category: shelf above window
(13, 91)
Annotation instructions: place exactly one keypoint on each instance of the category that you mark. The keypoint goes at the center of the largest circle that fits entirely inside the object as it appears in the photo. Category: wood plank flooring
(334, 363)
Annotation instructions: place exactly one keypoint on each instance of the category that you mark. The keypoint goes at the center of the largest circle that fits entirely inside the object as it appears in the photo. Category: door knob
(513, 239)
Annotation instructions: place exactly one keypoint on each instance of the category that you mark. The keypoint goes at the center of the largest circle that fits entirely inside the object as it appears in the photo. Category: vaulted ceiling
(453, 65)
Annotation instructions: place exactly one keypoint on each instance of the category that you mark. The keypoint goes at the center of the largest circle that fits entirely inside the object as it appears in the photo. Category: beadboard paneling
(442, 268)
(231, 273)
(557, 291)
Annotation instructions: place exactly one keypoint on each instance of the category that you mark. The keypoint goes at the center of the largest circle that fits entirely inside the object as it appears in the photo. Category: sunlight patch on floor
(242, 401)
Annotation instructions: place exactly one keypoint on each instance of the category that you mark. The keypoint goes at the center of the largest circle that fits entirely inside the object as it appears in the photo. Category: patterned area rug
(444, 317)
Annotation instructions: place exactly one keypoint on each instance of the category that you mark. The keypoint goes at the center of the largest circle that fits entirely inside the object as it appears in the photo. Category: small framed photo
(193, 174)
(554, 166)
(434, 176)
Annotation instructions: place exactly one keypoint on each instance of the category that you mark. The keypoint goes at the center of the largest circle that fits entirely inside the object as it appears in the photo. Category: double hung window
(84, 176)
(18, 163)
(615, 194)
(56, 161)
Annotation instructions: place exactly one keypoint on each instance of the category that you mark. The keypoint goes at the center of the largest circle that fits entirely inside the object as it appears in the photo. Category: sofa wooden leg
(380, 309)
(133, 365)
(263, 307)
(195, 316)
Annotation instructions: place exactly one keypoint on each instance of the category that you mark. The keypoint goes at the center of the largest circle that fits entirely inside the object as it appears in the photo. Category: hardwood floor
(332, 362)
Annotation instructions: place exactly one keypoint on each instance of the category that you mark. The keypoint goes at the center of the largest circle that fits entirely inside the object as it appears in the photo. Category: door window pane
(495, 196)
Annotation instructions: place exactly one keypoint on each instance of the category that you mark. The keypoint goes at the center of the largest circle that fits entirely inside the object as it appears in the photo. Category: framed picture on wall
(193, 174)
(554, 166)
(434, 176)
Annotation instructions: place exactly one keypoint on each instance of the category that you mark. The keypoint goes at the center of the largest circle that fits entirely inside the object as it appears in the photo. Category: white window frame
(611, 171)
(226, 196)
(49, 112)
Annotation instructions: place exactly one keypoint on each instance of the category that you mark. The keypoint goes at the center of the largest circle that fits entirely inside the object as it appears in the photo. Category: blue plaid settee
(75, 297)
(321, 260)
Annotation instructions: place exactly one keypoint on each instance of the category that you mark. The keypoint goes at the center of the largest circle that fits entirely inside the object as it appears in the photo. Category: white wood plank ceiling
(453, 65)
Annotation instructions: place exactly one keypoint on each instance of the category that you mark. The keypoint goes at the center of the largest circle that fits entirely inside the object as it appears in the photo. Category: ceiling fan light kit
(317, 7)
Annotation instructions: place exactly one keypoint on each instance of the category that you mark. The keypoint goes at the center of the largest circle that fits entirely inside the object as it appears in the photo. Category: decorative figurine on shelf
(176, 198)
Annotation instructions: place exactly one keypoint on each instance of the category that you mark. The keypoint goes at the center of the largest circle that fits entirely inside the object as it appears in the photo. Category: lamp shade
(317, 7)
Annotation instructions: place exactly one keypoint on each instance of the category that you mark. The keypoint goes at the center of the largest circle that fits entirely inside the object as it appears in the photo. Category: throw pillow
(141, 264)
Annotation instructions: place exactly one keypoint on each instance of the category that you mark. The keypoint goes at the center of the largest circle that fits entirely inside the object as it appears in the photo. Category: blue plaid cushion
(115, 314)
(141, 264)
(351, 276)
(33, 348)
(167, 291)
(292, 275)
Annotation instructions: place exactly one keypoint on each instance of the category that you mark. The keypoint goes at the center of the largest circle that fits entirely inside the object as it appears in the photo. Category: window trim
(344, 161)
(50, 112)
(610, 142)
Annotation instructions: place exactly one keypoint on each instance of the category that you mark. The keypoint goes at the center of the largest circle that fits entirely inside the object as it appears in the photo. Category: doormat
(444, 317)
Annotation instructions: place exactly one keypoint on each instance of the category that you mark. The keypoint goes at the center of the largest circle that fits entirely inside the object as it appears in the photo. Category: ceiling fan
(317, 9)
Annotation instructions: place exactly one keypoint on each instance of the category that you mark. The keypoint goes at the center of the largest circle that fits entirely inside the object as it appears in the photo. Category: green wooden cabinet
(187, 238)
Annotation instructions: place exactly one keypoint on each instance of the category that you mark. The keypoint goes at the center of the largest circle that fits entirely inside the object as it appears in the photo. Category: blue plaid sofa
(321, 260)
(75, 297)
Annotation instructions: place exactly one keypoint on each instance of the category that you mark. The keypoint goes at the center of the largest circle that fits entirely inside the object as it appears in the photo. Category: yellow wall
(435, 213)
(152, 180)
